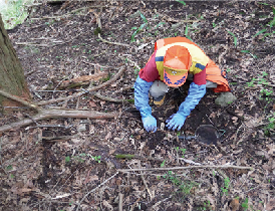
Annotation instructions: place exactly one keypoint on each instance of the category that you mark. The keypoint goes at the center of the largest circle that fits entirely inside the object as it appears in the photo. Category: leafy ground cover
(73, 164)
(14, 12)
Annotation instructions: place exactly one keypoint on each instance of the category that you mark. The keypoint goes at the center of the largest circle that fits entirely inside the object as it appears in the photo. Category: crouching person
(173, 60)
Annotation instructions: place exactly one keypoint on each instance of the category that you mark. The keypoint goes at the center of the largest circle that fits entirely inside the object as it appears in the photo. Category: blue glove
(141, 102)
(195, 93)
(175, 121)
(149, 123)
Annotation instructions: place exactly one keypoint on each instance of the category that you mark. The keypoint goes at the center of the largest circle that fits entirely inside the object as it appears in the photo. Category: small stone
(162, 126)
(225, 99)
(81, 128)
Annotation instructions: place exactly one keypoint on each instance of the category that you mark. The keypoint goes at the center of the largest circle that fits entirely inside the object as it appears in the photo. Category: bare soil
(53, 164)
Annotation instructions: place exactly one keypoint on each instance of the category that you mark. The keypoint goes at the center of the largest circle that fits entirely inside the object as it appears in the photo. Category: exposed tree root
(17, 99)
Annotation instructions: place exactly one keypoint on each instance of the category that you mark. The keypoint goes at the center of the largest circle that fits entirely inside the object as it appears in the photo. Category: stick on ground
(182, 168)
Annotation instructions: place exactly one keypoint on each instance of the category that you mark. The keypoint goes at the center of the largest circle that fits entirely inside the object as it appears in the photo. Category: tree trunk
(12, 78)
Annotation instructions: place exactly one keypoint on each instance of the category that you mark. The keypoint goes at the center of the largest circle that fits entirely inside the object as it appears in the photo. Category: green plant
(234, 37)
(159, 24)
(270, 125)
(14, 12)
(186, 33)
(162, 164)
(272, 23)
(260, 32)
(226, 185)
(182, 2)
(137, 31)
(263, 3)
(136, 71)
(247, 51)
(140, 27)
(207, 205)
(251, 83)
(184, 186)
(213, 173)
(67, 159)
(266, 93)
(143, 17)
(183, 152)
(97, 158)
(214, 25)
(9, 167)
(245, 204)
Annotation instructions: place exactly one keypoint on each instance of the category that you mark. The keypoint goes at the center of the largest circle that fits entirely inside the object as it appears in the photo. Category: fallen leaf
(235, 204)
(108, 136)
(270, 205)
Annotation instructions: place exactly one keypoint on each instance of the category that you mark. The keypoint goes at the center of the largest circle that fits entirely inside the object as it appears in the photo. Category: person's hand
(175, 121)
(149, 123)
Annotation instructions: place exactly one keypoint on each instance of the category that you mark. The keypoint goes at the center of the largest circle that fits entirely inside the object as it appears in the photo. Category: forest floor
(114, 164)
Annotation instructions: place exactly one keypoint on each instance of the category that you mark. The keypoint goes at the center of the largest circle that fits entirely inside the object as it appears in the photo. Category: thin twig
(120, 204)
(188, 167)
(93, 190)
(113, 43)
(123, 89)
(99, 35)
(144, 181)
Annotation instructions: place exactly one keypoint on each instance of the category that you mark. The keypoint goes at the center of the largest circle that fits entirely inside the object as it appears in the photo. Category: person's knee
(210, 84)
(158, 89)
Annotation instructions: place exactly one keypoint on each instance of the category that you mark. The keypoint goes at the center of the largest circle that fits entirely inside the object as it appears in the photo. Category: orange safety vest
(199, 61)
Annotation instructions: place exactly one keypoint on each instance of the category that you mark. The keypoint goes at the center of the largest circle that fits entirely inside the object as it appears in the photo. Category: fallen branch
(82, 80)
(57, 113)
(188, 167)
(120, 72)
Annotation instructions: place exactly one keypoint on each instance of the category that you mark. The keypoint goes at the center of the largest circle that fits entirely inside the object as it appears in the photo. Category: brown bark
(11, 72)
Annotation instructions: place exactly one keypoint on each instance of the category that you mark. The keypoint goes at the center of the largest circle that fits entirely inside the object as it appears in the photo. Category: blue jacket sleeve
(195, 93)
(141, 96)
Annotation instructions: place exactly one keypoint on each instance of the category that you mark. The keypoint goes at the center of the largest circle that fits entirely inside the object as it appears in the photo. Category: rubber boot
(159, 101)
